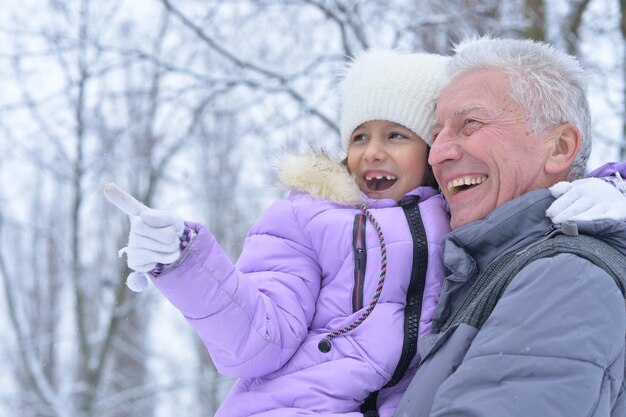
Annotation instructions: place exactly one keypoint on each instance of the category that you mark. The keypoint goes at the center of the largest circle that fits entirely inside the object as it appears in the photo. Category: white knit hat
(394, 86)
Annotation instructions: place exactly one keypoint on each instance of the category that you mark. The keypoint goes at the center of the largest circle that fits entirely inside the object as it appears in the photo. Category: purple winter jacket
(262, 318)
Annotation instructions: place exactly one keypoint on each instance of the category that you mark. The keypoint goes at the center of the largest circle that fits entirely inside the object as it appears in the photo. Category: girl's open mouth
(380, 183)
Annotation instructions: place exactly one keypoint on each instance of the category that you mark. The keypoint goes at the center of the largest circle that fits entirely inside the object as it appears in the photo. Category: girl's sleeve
(254, 315)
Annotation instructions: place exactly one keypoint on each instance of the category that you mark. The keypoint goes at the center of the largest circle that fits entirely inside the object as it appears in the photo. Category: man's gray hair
(550, 85)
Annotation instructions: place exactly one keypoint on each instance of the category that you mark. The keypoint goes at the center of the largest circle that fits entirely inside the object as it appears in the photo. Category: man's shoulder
(545, 270)
(567, 256)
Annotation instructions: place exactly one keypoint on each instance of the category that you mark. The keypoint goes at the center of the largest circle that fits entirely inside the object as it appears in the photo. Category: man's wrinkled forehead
(459, 113)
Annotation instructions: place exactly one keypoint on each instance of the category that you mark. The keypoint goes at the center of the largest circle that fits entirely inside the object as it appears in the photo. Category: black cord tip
(324, 345)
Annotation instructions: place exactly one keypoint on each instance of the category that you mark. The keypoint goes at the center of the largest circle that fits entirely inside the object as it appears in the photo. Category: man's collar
(514, 224)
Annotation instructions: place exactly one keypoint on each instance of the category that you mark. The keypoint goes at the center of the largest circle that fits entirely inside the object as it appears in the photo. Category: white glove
(585, 200)
(154, 236)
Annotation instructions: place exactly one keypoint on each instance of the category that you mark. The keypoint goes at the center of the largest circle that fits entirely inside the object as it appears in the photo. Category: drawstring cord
(326, 343)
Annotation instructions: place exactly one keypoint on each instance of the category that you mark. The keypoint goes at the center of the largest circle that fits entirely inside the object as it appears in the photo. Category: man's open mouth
(460, 184)
(380, 183)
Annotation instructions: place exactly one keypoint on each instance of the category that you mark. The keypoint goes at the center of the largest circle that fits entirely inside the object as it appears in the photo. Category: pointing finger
(124, 201)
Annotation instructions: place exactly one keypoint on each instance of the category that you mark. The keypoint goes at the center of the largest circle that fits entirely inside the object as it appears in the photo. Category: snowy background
(188, 105)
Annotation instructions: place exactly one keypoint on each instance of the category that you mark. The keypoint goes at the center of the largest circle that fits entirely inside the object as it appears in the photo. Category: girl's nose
(375, 151)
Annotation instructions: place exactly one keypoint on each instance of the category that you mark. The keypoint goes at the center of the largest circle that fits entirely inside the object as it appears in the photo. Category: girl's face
(387, 159)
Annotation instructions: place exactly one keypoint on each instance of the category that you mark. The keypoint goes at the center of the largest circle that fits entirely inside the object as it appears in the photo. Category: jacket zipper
(360, 260)
(413, 308)
(415, 291)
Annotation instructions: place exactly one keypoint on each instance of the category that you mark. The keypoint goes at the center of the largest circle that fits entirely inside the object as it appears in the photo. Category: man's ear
(563, 145)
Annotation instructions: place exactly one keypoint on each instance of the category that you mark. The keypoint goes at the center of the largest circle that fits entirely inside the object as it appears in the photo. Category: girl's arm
(600, 196)
(254, 315)
(252, 318)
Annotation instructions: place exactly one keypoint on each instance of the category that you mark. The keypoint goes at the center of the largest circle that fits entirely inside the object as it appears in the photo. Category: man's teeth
(455, 184)
(380, 177)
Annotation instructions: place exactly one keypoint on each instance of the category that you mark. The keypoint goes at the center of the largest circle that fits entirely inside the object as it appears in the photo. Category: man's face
(484, 153)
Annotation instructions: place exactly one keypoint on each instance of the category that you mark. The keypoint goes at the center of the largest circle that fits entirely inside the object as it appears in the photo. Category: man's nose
(446, 147)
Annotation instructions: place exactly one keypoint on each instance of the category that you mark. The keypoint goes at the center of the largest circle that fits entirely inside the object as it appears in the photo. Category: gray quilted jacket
(554, 344)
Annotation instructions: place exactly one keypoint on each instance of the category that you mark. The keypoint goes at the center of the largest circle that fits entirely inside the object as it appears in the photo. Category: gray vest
(478, 302)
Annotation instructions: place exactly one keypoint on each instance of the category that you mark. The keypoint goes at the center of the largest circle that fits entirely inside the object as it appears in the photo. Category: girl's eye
(396, 135)
(359, 138)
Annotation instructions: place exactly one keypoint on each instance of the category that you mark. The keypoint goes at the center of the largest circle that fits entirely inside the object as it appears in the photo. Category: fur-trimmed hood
(320, 176)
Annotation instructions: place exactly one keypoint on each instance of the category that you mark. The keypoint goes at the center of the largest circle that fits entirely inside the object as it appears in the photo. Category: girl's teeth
(380, 177)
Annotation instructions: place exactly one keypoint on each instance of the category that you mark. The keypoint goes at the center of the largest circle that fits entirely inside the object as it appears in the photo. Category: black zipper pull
(360, 265)
(408, 200)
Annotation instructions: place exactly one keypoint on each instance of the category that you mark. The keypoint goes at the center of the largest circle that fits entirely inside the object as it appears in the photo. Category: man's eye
(470, 126)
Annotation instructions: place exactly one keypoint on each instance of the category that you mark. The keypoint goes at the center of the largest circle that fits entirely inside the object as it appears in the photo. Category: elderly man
(512, 121)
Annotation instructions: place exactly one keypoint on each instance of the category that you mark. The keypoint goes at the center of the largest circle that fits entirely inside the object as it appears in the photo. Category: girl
(322, 313)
